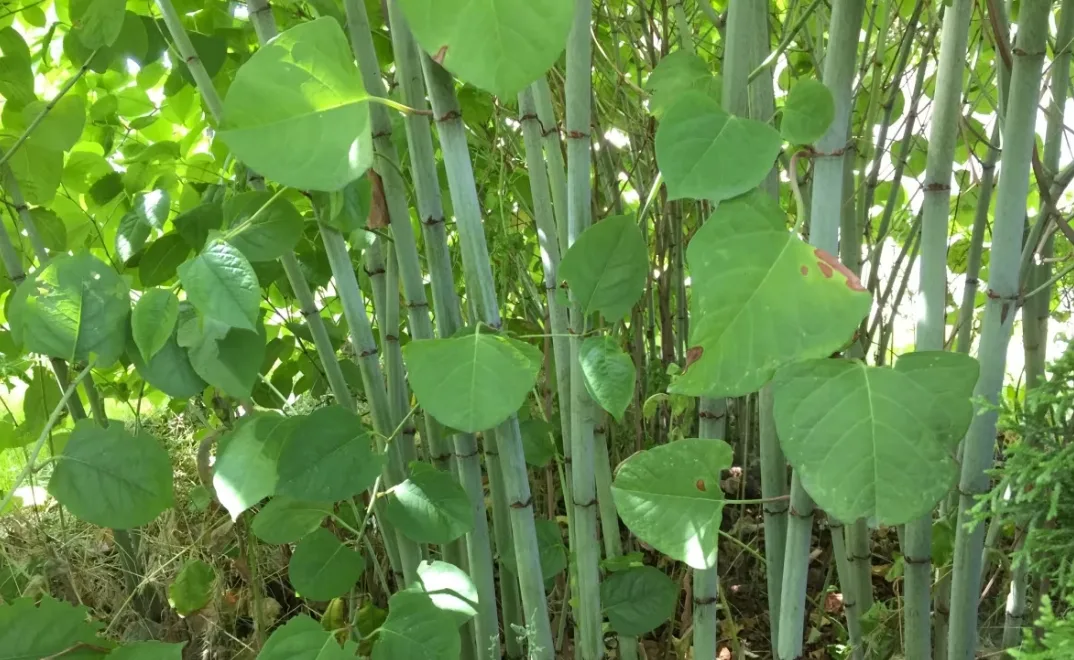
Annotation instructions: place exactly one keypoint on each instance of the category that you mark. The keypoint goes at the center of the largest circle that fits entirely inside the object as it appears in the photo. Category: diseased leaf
(605, 268)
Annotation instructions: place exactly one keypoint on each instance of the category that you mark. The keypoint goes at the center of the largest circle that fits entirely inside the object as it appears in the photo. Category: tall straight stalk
(553, 153)
(448, 320)
(482, 291)
(579, 199)
(943, 137)
(998, 319)
(1037, 309)
(838, 76)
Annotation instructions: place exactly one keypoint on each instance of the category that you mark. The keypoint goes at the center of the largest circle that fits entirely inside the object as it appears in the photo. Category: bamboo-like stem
(998, 318)
(827, 199)
(943, 137)
(483, 298)
(1037, 308)
(588, 618)
(553, 153)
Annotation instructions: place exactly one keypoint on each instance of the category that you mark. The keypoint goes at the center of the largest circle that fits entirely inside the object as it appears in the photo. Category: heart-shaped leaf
(29, 629)
(761, 298)
(279, 109)
(949, 379)
(807, 112)
(609, 374)
(449, 587)
(430, 506)
(111, 478)
(862, 440)
(322, 568)
(605, 268)
(417, 628)
(245, 468)
(498, 45)
(169, 370)
(678, 72)
(669, 497)
(263, 231)
(193, 587)
(161, 260)
(328, 458)
(473, 381)
(287, 520)
(706, 153)
(222, 285)
(302, 638)
(638, 600)
(230, 362)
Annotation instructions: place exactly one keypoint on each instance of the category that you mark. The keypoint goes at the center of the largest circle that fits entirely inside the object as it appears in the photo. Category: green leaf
(232, 362)
(302, 638)
(111, 478)
(154, 321)
(862, 440)
(62, 126)
(761, 298)
(950, 379)
(669, 497)
(169, 370)
(42, 396)
(51, 228)
(211, 50)
(609, 374)
(286, 520)
(16, 81)
(98, 21)
(498, 45)
(152, 208)
(705, 153)
(222, 285)
(551, 551)
(474, 381)
(150, 650)
(678, 72)
(417, 629)
(283, 98)
(638, 600)
(807, 113)
(430, 506)
(266, 233)
(193, 588)
(194, 225)
(322, 568)
(161, 260)
(37, 169)
(328, 458)
(245, 469)
(606, 267)
(76, 307)
(43, 630)
(131, 236)
(449, 587)
(106, 188)
(537, 442)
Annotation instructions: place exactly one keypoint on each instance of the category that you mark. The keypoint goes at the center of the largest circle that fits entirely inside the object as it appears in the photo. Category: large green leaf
(550, 549)
(950, 379)
(195, 224)
(222, 285)
(302, 638)
(322, 568)
(42, 396)
(150, 650)
(669, 497)
(131, 236)
(161, 260)
(99, 21)
(111, 478)
(38, 170)
(286, 520)
(498, 45)
(297, 110)
(44, 630)
(638, 600)
(474, 381)
(430, 506)
(245, 469)
(761, 298)
(416, 629)
(807, 112)
(193, 587)
(678, 72)
(449, 587)
(606, 267)
(705, 153)
(154, 321)
(329, 457)
(262, 234)
(62, 125)
(609, 374)
(76, 307)
(169, 371)
(231, 362)
(862, 439)
(16, 81)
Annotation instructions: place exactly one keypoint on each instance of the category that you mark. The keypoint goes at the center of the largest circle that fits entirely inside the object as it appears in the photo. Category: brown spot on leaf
(832, 263)
(440, 55)
(693, 354)
(826, 269)
(701, 485)
(378, 207)
(805, 270)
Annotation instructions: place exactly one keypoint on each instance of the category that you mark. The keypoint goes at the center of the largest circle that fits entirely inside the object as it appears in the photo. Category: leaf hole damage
(829, 264)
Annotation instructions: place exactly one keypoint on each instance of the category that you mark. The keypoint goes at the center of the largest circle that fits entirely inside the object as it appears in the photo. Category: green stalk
(553, 153)
(588, 618)
(1037, 309)
(449, 320)
(998, 318)
(943, 137)
(481, 285)
(839, 60)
